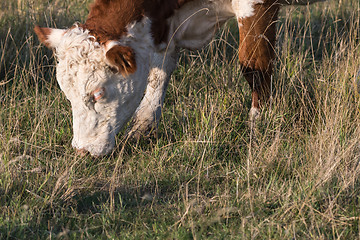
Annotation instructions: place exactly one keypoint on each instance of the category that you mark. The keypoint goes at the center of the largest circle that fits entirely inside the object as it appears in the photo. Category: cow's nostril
(82, 152)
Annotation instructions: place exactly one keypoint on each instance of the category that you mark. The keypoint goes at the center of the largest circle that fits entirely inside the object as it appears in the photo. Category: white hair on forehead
(78, 46)
(81, 60)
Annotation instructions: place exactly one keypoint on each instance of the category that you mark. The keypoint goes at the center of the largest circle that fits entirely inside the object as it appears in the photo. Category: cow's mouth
(94, 150)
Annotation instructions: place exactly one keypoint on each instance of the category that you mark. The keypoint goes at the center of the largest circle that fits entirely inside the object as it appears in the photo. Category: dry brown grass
(208, 175)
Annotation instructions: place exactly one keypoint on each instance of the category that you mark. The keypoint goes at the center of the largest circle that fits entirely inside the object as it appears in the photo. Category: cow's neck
(109, 19)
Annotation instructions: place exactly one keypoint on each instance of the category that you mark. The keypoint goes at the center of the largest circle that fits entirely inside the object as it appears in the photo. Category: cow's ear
(121, 59)
(51, 37)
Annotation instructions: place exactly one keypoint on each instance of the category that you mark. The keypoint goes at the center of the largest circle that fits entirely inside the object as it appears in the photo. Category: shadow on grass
(90, 214)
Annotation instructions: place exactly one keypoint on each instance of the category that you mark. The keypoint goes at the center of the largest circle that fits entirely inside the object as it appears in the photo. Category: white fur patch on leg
(254, 113)
(148, 113)
(244, 8)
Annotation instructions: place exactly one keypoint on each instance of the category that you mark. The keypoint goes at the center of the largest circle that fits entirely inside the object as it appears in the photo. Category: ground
(209, 174)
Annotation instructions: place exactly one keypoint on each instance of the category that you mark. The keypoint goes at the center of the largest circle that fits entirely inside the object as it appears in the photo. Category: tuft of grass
(208, 175)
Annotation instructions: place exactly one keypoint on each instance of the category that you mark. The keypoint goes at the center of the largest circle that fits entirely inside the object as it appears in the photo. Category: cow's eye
(98, 94)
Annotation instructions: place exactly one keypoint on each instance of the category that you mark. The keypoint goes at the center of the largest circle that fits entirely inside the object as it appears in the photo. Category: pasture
(209, 173)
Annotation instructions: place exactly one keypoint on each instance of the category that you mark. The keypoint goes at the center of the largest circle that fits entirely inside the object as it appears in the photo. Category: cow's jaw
(95, 124)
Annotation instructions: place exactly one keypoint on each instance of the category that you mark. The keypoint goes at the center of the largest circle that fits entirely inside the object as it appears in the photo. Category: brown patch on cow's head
(121, 59)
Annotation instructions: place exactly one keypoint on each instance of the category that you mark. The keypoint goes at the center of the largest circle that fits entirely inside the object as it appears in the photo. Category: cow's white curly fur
(82, 68)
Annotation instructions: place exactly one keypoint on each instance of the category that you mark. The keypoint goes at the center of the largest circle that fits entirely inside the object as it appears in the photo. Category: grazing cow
(118, 63)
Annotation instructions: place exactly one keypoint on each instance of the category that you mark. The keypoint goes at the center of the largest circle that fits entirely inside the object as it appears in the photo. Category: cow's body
(129, 47)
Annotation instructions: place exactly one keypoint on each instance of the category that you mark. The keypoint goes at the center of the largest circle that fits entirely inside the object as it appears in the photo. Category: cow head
(103, 82)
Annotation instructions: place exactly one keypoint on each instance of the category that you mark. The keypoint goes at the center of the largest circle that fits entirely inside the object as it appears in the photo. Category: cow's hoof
(142, 131)
(254, 114)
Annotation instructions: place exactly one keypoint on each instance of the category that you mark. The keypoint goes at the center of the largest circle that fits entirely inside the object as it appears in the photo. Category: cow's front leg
(148, 113)
(256, 51)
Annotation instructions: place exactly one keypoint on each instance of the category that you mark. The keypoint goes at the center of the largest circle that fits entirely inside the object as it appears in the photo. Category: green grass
(207, 175)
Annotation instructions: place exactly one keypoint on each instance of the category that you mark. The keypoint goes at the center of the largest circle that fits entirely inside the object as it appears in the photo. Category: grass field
(207, 175)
